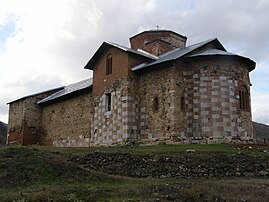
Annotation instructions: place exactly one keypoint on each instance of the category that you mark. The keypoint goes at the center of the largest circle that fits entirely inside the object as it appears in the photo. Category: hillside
(262, 132)
(3, 133)
(144, 173)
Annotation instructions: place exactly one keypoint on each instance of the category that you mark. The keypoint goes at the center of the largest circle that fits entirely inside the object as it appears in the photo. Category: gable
(106, 45)
(158, 47)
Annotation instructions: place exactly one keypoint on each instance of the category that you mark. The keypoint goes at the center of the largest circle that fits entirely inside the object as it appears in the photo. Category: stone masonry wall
(198, 102)
(67, 123)
(15, 120)
(212, 101)
(157, 124)
(120, 124)
(25, 113)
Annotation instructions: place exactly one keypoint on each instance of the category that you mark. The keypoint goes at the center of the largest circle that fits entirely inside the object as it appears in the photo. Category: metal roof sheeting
(36, 94)
(175, 54)
(72, 88)
(217, 52)
(212, 51)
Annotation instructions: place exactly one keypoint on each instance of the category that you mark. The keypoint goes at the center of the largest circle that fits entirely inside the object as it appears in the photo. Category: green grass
(45, 174)
(152, 149)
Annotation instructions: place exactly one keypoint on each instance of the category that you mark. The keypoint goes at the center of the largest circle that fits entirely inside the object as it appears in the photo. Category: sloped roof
(176, 54)
(158, 30)
(36, 94)
(217, 52)
(107, 44)
(67, 90)
(211, 51)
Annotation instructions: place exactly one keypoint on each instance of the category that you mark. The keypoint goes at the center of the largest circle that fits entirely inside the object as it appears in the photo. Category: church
(157, 90)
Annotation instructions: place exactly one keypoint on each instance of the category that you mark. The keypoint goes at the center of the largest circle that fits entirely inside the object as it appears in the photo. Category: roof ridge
(174, 54)
(68, 89)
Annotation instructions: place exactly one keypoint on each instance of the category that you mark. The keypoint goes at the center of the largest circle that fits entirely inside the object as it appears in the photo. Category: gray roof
(72, 88)
(36, 94)
(212, 51)
(138, 52)
(107, 44)
(217, 52)
(176, 54)
(158, 30)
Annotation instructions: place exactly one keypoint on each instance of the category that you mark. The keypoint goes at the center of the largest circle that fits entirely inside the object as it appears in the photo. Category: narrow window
(108, 102)
(155, 104)
(244, 99)
(240, 100)
(109, 65)
(182, 104)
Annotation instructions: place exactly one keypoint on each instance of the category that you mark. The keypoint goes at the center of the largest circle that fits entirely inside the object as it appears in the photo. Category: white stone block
(215, 93)
(124, 98)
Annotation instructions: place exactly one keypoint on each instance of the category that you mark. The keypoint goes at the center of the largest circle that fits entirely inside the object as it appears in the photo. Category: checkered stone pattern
(115, 126)
(212, 109)
(82, 141)
(145, 132)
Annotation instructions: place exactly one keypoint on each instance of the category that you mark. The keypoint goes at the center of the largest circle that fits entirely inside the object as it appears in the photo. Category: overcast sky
(46, 43)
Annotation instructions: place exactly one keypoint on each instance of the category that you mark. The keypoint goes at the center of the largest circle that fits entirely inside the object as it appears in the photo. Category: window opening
(182, 103)
(108, 102)
(244, 99)
(155, 104)
(109, 65)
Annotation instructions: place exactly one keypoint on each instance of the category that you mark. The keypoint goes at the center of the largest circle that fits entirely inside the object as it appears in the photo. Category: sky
(46, 43)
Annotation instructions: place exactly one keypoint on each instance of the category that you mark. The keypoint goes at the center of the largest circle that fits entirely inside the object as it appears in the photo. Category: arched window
(156, 104)
(244, 98)
(109, 64)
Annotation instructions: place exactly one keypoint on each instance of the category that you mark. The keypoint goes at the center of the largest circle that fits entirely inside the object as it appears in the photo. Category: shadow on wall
(3, 133)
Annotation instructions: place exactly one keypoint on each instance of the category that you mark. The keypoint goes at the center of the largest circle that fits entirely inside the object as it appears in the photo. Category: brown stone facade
(191, 95)
(68, 122)
(24, 124)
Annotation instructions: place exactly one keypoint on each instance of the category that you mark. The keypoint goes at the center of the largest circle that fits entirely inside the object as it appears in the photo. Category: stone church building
(158, 90)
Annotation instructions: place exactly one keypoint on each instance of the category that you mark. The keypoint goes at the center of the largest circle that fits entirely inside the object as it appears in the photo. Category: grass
(45, 174)
(155, 149)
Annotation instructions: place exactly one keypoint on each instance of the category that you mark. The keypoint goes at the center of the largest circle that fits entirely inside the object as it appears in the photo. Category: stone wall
(212, 101)
(198, 102)
(24, 125)
(67, 123)
(118, 125)
(15, 120)
(157, 124)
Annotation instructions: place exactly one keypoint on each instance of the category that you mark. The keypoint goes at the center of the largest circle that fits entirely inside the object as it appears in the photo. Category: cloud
(260, 110)
(47, 43)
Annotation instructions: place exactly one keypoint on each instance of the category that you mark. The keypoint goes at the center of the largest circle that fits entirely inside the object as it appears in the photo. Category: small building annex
(159, 89)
